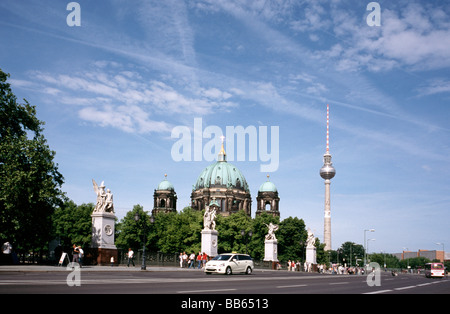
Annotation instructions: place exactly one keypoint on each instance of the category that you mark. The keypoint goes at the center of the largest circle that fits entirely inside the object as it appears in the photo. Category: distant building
(164, 198)
(431, 255)
(267, 199)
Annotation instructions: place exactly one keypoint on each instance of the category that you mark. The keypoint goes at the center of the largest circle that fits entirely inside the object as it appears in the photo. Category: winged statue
(104, 198)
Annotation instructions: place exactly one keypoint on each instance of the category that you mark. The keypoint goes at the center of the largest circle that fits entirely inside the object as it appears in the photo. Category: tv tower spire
(327, 172)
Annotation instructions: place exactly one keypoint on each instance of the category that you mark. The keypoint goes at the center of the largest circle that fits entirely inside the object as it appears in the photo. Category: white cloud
(129, 119)
(435, 86)
(413, 36)
(125, 99)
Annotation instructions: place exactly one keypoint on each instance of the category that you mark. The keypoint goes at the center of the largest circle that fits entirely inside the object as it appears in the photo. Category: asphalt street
(174, 281)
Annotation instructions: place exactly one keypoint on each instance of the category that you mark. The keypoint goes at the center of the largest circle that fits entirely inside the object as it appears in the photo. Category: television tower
(327, 172)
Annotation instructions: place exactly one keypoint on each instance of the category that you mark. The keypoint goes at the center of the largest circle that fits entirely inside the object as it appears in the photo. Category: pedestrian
(199, 260)
(204, 259)
(191, 260)
(130, 255)
(185, 259)
(112, 261)
(181, 260)
(80, 255)
(6, 257)
(75, 254)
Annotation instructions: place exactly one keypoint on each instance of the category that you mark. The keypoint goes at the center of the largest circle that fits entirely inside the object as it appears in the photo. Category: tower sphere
(327, 172)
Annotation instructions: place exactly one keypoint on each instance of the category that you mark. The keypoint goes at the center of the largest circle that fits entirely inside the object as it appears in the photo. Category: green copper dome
(267, 187)
(221, 174)
(165, 185)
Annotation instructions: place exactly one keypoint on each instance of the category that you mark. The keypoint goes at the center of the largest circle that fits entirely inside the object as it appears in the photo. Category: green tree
(229, 228)
(414, 263)
(72, 224)
(322, 256)
(291, 238)
(349, 252)
(130, 233)
(169, 233)
(30, 184)
(380, 258)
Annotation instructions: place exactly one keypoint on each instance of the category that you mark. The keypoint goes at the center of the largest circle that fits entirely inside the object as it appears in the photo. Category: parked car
(230, 263)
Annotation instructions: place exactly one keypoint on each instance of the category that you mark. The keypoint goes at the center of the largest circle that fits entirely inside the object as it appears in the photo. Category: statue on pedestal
(209, 219)
(311, 240)
(310, 251)
(104, 199)
(272, 228)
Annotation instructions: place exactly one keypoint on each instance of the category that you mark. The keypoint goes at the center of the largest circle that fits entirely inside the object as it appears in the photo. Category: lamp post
(371, 230)
(246, 236)
(368, 244)
(407, 260)
(137, 217)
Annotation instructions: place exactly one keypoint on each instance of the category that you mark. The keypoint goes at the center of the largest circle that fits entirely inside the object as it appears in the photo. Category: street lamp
(368, 244)
(246, 236)
(407, 260)
(137, 217)
(371, 230)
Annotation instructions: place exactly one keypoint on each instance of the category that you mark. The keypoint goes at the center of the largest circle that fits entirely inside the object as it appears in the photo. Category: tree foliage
(30, 181)
(181, 232)
(72, 224)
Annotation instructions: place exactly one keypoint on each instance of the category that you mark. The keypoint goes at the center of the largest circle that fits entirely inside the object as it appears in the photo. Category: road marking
(207, 290)
(403, 288)
(338, 283)
(424, 284)
(378, 291)
(291, 286)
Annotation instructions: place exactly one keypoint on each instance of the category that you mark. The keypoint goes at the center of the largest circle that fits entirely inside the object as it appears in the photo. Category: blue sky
(112, 90)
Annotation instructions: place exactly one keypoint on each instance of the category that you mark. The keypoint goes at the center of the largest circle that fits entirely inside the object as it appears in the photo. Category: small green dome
(267, 187)
(165, 185)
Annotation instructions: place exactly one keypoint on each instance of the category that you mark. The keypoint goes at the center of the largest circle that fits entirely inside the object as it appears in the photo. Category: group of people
(340, 269)
(190, 261)
(294, 266)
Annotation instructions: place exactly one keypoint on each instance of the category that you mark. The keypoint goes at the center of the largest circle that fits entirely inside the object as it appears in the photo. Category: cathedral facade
(225, 185)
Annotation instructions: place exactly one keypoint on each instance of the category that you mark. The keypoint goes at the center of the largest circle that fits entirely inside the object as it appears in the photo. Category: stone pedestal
(102, 244)
(311, 255)
(209, 242)
(271, 250)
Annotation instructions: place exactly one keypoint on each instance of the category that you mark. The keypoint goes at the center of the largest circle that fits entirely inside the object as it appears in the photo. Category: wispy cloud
(125, 99)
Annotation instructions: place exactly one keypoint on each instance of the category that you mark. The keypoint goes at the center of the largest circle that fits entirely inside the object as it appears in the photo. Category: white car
(229, 263)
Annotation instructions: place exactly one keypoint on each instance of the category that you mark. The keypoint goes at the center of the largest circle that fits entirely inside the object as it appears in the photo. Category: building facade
(164, 198)
(225, 183)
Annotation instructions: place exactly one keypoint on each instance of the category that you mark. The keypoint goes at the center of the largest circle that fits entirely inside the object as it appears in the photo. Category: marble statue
(209, 219)
(104, 199)
(311, 240)
(272, 228)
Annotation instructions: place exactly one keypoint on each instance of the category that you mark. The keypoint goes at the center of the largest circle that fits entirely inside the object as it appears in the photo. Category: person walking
(191, 260)
(204, 259)
(185, 260)
(75, 254)
(199, 260)
(80, 255)
(130, 255)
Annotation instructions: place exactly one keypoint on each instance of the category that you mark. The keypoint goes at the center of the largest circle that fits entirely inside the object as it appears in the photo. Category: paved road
(107, 280)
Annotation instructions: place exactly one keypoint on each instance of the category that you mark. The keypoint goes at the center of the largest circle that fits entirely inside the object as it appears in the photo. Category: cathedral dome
(225, 185)
(165, 185)
(267, 187)
(221, 174)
